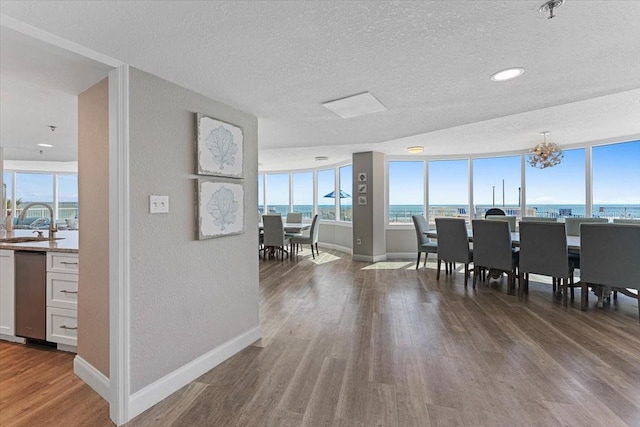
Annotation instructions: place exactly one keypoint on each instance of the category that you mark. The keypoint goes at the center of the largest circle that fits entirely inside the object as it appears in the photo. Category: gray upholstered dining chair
(573, 229)
(274, 238)
(424, 243)
(626, 221)
(610, 257)
(294, 217)
(573, 224)
(543, 250)
(539, 219)
(311, 239)
(492, 249)
(453, 245)
(511, 220)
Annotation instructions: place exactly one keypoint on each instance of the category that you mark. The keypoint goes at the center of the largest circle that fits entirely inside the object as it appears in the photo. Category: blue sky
(38, 187)
(616, 180)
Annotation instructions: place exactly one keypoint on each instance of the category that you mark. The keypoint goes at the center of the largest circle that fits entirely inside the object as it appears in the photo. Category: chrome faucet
(52, 227)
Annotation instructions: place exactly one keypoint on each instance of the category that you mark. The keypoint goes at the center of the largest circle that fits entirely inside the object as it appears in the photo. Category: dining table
(573, 242)
(291, 227)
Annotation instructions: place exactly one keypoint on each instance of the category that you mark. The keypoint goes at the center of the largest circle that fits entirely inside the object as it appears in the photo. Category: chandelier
(546, 154)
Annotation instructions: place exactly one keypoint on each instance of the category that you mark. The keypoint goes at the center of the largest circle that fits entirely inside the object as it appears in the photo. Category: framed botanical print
(220, 208)
(220, 148)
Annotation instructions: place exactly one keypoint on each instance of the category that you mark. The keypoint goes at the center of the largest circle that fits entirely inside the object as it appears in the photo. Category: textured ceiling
(428, 62)
(39, 85)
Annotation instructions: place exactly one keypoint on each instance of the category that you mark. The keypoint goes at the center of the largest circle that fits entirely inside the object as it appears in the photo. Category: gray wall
(187, 296)
(368, 220)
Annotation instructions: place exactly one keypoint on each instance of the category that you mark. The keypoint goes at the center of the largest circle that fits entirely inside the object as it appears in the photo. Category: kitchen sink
(26, 239)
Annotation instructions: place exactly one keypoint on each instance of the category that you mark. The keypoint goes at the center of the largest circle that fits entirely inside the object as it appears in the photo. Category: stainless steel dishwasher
(31, 294)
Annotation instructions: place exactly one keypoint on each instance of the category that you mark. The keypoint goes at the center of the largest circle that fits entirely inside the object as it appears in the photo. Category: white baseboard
(369, 258)
(90, 375)
(67, 348)
(145, 398)
(335, 247)
(408, 256)
(12, 338)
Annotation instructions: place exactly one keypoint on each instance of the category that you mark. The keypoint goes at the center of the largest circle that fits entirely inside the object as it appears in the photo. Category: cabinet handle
(68, 327)
(68, 263)
(64, 291)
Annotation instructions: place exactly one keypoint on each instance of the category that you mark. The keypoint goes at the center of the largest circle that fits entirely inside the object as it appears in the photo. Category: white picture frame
(220, 209)
(362, 188)
(220, 147)
(362, 200)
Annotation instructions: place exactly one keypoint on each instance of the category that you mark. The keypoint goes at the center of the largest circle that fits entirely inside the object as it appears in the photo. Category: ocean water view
(403, 213)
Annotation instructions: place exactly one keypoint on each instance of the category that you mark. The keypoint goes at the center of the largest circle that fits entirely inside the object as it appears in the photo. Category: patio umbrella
(343, 195)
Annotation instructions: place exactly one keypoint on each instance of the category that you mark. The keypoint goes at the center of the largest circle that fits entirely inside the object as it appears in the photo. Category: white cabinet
(7, 293)
(62, 298)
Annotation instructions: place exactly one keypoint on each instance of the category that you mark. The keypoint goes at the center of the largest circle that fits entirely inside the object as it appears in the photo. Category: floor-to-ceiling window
(278, 193)
(31, 188)
(261, 194)
(67, 196)
(7, 186)
(346, 198)
(327, 194)
(616, 180)
(496, 183)
(448, 189)
(303, 194)
(406, 190)
(57, 189)
(558, 191)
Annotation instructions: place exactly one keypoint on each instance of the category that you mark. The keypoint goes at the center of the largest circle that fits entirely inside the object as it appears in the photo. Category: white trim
(153, 393)
(339, 248)
(37, 33)
(370, 258)
(12, 338)
(402, 255)
(119, 236)
(66, 347)
(91, 376)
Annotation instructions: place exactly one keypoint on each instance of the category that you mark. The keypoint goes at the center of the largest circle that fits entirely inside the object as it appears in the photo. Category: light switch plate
(158, 204)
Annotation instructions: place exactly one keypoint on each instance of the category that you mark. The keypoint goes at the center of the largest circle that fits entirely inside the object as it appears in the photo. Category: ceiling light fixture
(53, 128)
(321, 158)
(546, 154)
(550, 5)
(355, 105)
(45, 145)
(415, 149)
(508, 74)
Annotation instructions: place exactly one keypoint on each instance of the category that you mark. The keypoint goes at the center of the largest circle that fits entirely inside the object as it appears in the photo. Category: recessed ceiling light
(45, 145)
(321, 158)
(508, 74)
(415, 149)
(355, 105)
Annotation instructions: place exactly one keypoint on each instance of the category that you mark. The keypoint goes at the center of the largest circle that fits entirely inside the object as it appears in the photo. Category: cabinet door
(62, 326)
(7, 296)
(59, 262)
(62, 290)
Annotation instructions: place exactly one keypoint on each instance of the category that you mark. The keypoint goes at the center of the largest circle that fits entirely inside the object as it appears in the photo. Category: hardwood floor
(38, 388)
(354, 344)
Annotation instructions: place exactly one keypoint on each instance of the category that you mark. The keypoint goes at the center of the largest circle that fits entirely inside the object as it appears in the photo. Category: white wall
(187, 296)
